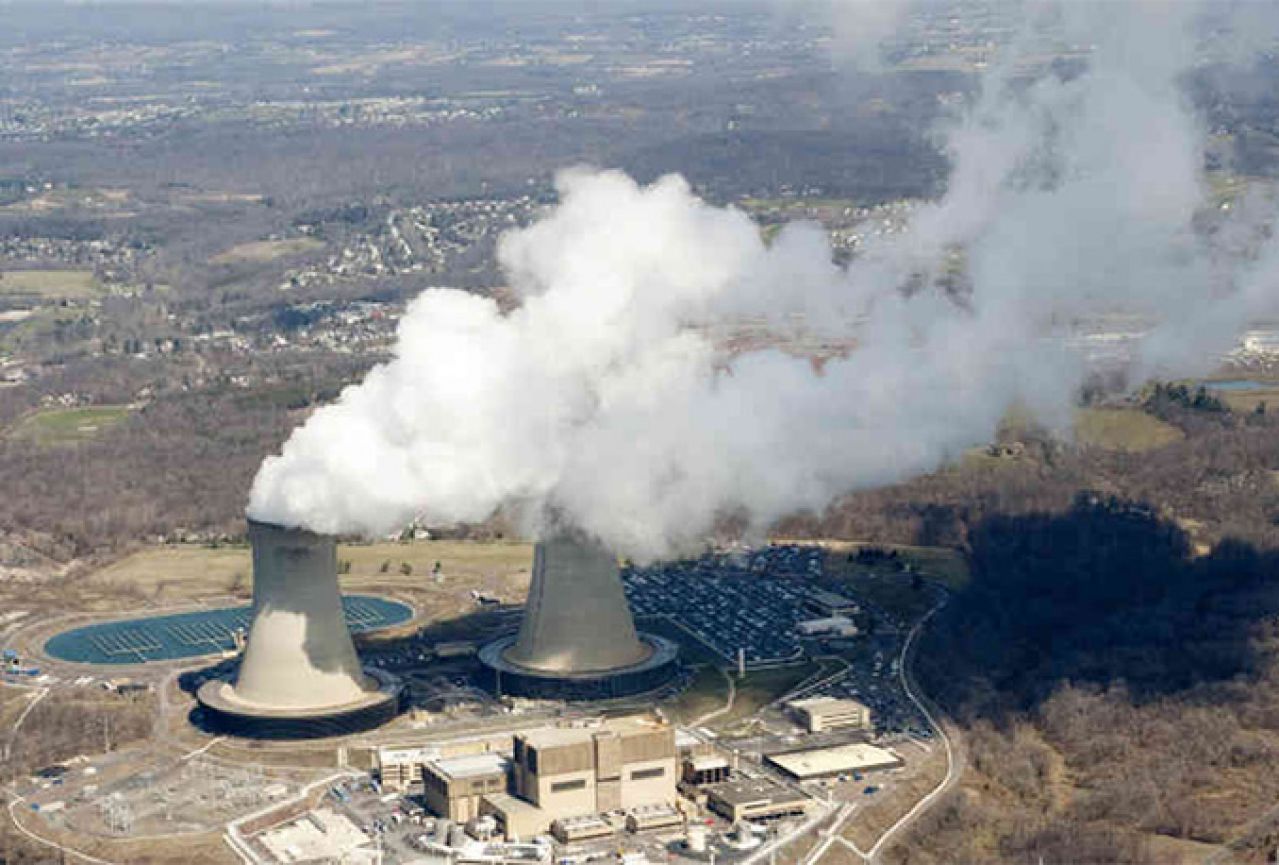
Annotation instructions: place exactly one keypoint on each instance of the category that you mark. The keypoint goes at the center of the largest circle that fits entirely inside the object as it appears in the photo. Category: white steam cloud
(603, 396)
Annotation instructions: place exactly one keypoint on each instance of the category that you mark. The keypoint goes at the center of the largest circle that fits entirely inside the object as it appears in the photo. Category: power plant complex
(577, 757)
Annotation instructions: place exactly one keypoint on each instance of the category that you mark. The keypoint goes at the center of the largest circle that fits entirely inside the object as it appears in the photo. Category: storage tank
(696, 839)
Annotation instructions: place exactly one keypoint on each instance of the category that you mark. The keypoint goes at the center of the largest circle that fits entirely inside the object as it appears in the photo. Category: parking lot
(749, 600)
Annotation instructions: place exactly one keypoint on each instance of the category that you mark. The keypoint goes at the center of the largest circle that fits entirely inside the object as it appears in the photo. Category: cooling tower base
(508, 679)
(221, 712)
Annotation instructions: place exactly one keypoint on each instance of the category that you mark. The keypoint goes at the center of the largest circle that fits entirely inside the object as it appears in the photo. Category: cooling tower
(299, 675)
(577, 639)
(576, 618)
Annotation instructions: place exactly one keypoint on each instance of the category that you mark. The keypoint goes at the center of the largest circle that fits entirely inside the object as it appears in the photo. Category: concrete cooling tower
(577, 640)
(299, 676)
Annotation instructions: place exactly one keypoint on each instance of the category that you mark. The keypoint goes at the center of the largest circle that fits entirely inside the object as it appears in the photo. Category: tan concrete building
(400, 768)
(454, 787)
(518, 819)
(706, 769)
(574, 772)
(839, 760)
(819, 714)
(570, 830)
(755, 799)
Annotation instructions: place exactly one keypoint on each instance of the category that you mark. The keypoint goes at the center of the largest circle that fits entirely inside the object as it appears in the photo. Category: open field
(1122, 429)
(798, 850)
(707, 692)
(1246, 401)
(13, 701)
(184, 572)
(267, 250)
(939, 564)
(208, 847)
(760, 687)
(798, 203)
(922, 773)
(48, 284)
(68, 425)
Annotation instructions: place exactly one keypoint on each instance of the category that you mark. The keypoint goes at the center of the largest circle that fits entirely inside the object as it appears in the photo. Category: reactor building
(577, 640)
(299, 676)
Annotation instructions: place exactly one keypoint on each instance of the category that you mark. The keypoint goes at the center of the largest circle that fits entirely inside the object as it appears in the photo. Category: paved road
(722, 710)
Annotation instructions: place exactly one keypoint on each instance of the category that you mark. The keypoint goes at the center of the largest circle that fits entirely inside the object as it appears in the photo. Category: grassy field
(707, 692)
(1123, 429)
(896, 594)
(48, 284)
(182, 572)
(267, 250)
(922, 773)
(206, 847)
(761, 687)
(68, 425)
(1246, 401)
(192, 572)
(939, 564)
(13, 701)
(840, 204)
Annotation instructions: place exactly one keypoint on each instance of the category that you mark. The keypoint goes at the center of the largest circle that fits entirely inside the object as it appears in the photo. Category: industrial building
(705, 769)
(572, 772)
(570, 830)
(559, 778)
(834, 626)
(577, 640)
(299, 676)
(518, 819)
(454, 787)
(826, 604)
(819, 714)
(828, 762)
(755, 799)
(647, 817)
(399, 769)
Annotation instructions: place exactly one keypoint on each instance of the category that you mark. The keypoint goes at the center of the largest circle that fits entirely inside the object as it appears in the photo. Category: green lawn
(1122, 429)
(68, 425)
(892, 591)
(48, 284)
(761, 687)
(267, 250)
(707, 692)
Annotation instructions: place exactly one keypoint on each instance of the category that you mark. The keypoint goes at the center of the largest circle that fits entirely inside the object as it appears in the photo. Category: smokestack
(300, 653)
(576, 619)
(299, 676)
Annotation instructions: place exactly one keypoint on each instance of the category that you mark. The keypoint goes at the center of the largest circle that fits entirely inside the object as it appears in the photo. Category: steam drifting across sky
(603, 396)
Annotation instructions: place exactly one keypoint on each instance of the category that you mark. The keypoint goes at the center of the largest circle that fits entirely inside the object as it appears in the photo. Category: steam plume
(602, 397)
